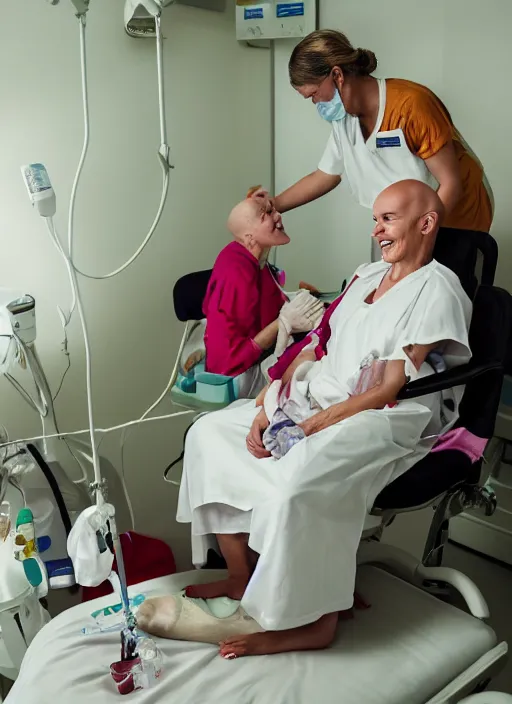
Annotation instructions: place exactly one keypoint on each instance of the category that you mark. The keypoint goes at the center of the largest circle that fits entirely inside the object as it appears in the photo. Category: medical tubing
(23, 393)
(172, 379)
(163, 152)
(85, 147)
(170, 384)
(88, 366)
(160, 72)
(130, 261)
(97, 430)
(41, 382)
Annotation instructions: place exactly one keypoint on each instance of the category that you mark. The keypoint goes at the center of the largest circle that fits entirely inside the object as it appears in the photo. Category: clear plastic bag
(5, 520)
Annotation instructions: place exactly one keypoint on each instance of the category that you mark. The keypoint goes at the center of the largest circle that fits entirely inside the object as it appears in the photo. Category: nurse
(383, 131)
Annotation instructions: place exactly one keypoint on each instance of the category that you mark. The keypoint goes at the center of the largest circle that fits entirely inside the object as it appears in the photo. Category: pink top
(240, 301)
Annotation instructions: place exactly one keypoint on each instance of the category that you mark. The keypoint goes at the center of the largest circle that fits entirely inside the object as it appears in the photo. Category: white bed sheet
(403, 650)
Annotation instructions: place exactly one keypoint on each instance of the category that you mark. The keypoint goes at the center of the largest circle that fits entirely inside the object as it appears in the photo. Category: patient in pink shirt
(243, 301)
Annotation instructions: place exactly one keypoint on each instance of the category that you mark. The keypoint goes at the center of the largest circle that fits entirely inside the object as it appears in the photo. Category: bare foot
(234, 587)
(314, 636)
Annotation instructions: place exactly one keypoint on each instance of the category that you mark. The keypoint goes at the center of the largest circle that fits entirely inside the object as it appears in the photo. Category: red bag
(144, 558)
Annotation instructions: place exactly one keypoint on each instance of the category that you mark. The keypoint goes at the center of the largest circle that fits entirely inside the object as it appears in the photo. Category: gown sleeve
(441, 315)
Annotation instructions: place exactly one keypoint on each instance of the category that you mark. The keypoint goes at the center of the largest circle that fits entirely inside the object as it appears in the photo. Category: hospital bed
(410, 647)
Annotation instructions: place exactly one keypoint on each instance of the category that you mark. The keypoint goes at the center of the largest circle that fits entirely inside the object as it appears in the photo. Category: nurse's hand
(259, 192)
(254, 440)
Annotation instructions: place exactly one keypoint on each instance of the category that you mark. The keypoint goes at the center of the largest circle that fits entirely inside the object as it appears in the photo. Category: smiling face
(406, 219)
(257, 225)
(267, 226)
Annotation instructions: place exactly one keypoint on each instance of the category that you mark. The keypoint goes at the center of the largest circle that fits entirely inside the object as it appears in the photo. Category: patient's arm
(385, 393)
(266, 337)
(304, 356)
(261, 396)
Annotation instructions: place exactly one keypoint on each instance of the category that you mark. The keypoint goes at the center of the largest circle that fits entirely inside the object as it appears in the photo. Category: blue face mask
(332, 110)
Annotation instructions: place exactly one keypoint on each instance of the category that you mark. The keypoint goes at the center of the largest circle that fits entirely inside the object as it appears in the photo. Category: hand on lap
(254, 440)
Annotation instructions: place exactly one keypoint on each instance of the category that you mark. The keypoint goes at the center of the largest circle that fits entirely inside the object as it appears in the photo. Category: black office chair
(447, 479)
(459, 250)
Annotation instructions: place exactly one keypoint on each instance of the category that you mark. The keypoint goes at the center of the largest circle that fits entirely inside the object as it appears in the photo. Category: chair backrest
(458, 250)
(489, 339)
(188, 295)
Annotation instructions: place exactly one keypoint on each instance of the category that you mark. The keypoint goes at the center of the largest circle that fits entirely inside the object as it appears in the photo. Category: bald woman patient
(243, 301)
(289, 528)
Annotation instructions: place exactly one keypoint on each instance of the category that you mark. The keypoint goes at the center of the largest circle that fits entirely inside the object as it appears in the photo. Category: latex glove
(302, 314)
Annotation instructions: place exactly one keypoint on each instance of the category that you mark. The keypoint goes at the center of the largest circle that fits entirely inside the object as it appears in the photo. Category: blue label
(255, 13)
(290, 9)
(388, 142)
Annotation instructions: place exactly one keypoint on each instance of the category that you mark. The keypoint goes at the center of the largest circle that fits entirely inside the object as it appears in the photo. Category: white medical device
(275, 19)
(139, 16)
(81, 6)
(40, 474)
(39, 189)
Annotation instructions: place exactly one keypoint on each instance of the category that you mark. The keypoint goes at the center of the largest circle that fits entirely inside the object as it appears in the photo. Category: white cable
(23, 392)
(41, 409)
(163, 155)
(40, 385)
(85, 478)
(97, 430)
(163, 199)
(170, 384)
(85, 147)
(161, 96)
(88, 364)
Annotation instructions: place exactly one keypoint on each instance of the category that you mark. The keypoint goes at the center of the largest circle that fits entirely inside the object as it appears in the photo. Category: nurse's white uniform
(305, 513)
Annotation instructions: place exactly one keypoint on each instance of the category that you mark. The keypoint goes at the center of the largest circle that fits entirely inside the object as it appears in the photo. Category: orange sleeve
(426, 124)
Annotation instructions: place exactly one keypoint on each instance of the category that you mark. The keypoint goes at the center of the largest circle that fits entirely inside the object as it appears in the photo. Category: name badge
(255, 13)
(388, 142)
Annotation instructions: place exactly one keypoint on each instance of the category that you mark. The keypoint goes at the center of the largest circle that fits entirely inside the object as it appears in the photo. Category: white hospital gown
(305, 512)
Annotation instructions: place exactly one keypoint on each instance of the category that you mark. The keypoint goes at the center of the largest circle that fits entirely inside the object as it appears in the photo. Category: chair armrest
(447, 380)
(213, 379)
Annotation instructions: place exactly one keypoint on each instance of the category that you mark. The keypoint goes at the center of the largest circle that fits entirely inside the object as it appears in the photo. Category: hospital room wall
(212, 109)
(461, 50)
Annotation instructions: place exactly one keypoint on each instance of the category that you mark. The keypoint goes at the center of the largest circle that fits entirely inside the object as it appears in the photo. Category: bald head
(256, 225)
(412, 197)
(407, 215)
(243, 218)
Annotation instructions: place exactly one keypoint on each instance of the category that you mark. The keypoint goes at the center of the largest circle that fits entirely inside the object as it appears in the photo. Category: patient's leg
(240, 562)
(314, 636)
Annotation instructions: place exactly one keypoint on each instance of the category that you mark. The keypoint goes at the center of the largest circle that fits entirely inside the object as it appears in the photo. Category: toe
(234, 650)
(230, 641)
